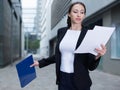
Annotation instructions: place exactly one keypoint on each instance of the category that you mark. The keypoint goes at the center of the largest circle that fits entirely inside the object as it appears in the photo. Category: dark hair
(68, 19)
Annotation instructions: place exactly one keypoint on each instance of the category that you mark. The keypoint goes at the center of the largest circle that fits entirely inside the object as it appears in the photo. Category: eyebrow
(78, 10)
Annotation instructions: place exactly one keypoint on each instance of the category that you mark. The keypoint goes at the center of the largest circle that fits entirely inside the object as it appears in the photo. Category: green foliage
(31, 45)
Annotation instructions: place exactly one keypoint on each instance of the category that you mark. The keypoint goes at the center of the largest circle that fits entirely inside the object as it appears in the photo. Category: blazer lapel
(62, 33)
(81, 37)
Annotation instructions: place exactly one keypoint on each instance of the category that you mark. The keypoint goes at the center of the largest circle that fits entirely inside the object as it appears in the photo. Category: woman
(72, 70)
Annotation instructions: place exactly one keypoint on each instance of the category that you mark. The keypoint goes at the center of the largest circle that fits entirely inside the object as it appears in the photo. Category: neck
(76, 27)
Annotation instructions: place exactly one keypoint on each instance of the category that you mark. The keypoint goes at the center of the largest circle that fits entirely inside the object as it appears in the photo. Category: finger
(32, 65)
(99, 51)
(103, 46)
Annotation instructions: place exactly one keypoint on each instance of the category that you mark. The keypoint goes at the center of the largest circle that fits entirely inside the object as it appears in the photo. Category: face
(77, 14)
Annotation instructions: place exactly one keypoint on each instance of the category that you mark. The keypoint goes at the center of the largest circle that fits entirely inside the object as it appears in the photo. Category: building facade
(10, 31)
(104, 13)
(44, 25)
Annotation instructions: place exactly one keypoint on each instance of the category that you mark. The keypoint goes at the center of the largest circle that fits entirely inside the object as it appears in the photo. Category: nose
(79, 14)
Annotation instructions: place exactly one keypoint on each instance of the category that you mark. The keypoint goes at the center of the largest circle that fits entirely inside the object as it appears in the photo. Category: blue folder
(26, 73)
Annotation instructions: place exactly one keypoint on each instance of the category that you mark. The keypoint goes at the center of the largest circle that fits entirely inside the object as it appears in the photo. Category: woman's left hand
(101, 51)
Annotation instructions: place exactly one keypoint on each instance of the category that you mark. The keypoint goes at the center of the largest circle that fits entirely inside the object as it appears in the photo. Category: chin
(77, 22)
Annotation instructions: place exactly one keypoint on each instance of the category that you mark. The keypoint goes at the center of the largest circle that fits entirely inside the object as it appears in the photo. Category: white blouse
(67, 47)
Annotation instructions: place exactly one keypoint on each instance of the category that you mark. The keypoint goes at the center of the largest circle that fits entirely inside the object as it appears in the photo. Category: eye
(75, 11)
(82, 12)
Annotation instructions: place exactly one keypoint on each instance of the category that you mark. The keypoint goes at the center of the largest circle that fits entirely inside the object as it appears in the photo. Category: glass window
(115, 43)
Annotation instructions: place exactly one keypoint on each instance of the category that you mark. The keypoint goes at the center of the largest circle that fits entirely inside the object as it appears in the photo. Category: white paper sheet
(94, 38)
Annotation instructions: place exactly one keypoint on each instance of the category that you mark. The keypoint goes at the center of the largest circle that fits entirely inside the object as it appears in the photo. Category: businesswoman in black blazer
(72, 70)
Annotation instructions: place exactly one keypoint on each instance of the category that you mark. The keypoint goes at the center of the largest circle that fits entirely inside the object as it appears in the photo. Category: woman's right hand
(36, 63)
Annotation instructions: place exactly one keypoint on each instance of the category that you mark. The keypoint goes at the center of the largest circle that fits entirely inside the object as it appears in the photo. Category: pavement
(46, 79)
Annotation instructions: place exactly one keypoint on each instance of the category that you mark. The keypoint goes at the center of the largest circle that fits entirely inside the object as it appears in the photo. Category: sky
(29, 3)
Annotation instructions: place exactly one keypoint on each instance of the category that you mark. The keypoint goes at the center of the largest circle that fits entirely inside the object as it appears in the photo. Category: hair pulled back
(70, 8)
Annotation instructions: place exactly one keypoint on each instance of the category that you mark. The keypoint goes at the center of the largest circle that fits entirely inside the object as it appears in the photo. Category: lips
(78, 19)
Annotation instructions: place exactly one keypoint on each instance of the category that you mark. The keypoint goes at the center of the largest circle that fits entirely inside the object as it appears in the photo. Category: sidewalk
(104, 81)
(46, 79)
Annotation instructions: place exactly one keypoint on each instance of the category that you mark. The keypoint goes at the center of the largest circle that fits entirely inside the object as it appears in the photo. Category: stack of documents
(26, 73)
(94, 38)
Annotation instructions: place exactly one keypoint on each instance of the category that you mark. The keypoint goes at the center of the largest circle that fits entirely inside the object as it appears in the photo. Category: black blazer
(82, 62)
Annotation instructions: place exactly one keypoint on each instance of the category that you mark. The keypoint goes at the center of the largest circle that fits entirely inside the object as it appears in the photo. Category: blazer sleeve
(50, 60)
(46, 61)
(92, 62)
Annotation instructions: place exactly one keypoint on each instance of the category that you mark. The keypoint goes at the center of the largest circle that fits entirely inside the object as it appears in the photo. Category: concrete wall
(109, 64)
(11, 32)
(6, 28)
(1, 31)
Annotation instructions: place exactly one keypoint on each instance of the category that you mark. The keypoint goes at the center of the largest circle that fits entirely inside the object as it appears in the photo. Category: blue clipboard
(26, 73)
